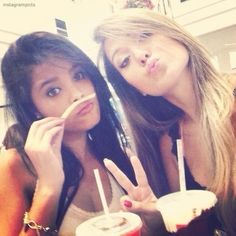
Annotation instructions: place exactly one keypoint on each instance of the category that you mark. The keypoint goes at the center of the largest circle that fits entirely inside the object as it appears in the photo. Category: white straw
(180, 155)
(70, 109)
(101, 192)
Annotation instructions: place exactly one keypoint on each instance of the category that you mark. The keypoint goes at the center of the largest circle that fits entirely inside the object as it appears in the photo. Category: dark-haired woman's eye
(53, 92)
(79, 75)
(125, 62)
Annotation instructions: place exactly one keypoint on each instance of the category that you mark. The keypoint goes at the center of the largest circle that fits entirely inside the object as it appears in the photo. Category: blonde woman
(169, 89)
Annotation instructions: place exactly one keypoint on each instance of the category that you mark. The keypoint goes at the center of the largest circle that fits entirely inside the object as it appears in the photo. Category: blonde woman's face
(154, 65)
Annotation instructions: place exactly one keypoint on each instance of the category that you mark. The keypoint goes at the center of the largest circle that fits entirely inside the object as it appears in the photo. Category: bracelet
(33, 225)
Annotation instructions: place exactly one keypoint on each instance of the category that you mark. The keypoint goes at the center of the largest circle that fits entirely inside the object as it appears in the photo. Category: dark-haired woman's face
(56, 84)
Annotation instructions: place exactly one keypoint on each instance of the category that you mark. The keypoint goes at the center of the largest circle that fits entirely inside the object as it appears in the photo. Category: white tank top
(75, 215)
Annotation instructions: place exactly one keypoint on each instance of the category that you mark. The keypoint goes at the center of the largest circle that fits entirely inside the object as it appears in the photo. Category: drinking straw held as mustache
(71, 108)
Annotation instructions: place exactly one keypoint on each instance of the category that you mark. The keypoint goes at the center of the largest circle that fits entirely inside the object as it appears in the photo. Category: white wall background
(212, 20)
(80, 16)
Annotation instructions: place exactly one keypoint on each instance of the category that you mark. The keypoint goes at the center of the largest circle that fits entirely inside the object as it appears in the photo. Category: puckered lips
(152, 65)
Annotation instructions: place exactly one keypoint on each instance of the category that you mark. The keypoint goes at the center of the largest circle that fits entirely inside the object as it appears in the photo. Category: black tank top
(211, 220)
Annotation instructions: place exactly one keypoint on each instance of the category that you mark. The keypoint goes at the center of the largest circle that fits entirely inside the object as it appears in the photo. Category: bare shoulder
(16, 191)
(13, 171)
(10, 161)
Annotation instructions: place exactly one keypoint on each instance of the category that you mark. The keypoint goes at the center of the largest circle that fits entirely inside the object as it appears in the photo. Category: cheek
(86, 86)
(47, 109)
(136, 77)
(131, 77)
(182, 55)
(96, 113)
(97, 118)
(178, 61)
(185, 56)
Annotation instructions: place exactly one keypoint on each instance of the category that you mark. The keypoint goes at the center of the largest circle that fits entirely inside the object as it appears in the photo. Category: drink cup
(117, 224)
(179, 209)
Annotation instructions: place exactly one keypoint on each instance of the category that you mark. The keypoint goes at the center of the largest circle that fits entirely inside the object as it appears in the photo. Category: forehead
(53, 63)
(51, 67)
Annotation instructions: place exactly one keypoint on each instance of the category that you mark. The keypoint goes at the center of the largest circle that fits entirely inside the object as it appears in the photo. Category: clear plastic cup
(180, 208)
(117, 224)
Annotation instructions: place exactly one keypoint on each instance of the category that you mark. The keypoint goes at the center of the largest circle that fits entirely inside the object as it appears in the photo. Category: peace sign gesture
(140, 198)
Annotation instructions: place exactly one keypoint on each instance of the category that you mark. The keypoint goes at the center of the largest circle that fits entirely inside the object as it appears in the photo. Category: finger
(45, 122)
(138, 168)
(122, 179)
(42, 127)
(39, 128)
(49, 136)
(2, 148)
(129, 152)
(139, 172)
(129, 204)
(46, 143)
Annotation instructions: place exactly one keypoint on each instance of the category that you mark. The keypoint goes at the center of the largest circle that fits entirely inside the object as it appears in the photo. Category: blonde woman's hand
(43, 146)
(140, 198)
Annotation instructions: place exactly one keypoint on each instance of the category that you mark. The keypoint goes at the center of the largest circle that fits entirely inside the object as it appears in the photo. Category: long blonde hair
(214, 96)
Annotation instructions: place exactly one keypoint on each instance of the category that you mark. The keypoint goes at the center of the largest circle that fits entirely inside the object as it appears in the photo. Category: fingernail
(127, 203)
(106, 161)
(179, 226)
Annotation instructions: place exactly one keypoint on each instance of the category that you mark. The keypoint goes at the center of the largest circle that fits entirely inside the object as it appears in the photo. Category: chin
(86, 124)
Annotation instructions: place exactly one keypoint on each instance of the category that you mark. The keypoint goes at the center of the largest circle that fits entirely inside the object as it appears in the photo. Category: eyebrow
(114, 54)
(46, 82)
(75, 67)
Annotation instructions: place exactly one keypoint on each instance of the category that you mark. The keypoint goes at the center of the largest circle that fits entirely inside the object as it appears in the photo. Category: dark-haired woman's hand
(43, 146)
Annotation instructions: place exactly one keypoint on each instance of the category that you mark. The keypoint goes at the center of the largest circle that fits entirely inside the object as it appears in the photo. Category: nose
(75, 94)
(141, 56)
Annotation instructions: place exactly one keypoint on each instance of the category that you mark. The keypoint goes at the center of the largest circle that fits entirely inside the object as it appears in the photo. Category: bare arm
(16, 184)
(21, 192)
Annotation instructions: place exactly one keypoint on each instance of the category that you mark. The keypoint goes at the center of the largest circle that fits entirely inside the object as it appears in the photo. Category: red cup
(117, 224)
(183, 211)
(202, 225)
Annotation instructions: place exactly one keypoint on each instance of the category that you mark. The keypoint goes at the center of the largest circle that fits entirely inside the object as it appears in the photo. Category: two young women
(166, 84)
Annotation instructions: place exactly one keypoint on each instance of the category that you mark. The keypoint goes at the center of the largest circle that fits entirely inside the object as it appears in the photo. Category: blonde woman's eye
(144, 35)
(125, 62)
(53, 92)
(79, 75)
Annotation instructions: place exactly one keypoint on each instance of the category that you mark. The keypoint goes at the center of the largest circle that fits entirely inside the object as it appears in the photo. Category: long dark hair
(149, 117)
(17, 64)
